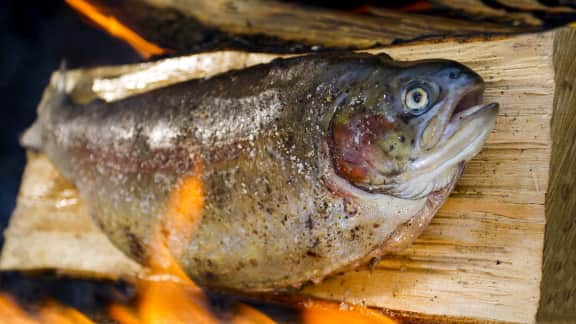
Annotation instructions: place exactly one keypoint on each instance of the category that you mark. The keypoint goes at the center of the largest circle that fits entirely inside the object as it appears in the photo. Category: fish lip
(464, 136)
(457, 120)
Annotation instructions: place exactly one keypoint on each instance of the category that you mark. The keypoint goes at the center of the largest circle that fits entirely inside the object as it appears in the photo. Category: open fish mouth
(464, 135)
(468, 99)
(467, 106)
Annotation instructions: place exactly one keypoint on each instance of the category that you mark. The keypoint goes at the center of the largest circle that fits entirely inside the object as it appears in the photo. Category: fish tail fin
(54, 97)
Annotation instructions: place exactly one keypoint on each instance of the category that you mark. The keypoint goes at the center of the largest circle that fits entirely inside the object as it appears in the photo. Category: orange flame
(51, 313)
(249, 315)
(317, 311)
(116, 28)
(168, 295)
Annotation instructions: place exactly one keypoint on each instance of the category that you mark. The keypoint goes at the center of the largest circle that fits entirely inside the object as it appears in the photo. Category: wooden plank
(558, 300)
(481, 257)
(51, 229)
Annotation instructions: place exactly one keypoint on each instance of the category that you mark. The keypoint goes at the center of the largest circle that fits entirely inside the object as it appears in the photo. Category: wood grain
(269, 23)
(478, 10)
(534, 5)
(558, 298)
(481, 258)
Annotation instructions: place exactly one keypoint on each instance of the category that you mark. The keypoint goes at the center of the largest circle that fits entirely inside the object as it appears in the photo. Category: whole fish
(301, 167)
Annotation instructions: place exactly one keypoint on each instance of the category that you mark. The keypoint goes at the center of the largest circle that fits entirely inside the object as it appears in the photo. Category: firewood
(502, 248)
(480, 11)
(534, 5)
(192, 25)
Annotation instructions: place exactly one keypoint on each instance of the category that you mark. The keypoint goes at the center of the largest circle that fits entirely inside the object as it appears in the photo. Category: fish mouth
(465, 133)
(468, 128)
(468, 99)
(468, 106)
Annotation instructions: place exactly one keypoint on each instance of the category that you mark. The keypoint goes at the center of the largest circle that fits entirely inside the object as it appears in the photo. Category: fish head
(406, 128)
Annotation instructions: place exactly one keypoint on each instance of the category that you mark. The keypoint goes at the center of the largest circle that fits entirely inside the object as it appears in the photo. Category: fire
(182, 215)
(116, 28)
(51, 312)
(317, 311)
(168, 295)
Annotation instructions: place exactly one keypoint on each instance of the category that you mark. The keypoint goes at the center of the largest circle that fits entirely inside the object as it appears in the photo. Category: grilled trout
(301, 167)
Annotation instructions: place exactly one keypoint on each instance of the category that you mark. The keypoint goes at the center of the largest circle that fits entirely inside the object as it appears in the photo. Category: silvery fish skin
(308, 165)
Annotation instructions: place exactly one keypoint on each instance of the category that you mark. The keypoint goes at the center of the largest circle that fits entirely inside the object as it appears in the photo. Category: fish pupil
(417, 96)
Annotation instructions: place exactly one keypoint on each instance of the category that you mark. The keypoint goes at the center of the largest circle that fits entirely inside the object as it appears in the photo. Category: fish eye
(417, 99)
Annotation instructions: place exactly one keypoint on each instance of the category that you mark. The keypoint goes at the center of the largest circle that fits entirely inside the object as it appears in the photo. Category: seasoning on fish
(304, 166)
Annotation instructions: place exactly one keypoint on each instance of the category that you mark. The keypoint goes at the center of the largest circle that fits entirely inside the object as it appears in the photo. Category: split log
(481, 11)
(186, 26)
(515, 12)
(487, 254)
(535, 5)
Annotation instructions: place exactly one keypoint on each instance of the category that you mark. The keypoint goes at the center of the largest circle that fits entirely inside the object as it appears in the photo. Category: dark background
(35, 36)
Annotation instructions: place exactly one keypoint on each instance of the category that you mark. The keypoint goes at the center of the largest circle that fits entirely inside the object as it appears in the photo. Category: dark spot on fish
(268, 189)
(312, 254)
(375, 225)
(136, 249)
(209, 275)
(498, 262)
(391, 147)
(401, 138)
(412, 142)
(289, 140)
(349, 207)
(253, 262)
(99, 221)
(309, 223)
(354, 233)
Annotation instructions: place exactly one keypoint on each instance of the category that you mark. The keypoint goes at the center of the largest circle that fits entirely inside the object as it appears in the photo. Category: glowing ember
(116, 28)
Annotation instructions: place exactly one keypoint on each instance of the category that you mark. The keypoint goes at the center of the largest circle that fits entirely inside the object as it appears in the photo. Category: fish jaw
(462, 139)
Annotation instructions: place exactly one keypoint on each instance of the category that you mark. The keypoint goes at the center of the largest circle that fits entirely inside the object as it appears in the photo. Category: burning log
(481, 257)
(276, 26)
